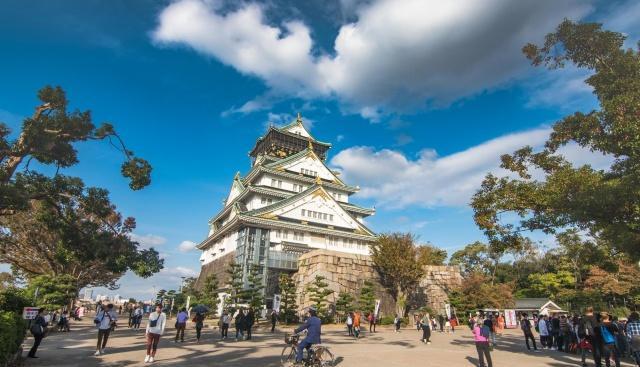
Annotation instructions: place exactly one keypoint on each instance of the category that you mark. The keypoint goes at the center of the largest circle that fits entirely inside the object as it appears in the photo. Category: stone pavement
(385, 348)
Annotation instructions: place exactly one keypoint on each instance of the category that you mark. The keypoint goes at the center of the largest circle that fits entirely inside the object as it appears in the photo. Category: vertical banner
(276, 303)
(376, 312)
(188, 304)
(510, 321)
(447, 310)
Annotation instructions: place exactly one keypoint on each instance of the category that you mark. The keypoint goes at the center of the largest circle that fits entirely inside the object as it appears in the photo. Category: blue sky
(419, 100)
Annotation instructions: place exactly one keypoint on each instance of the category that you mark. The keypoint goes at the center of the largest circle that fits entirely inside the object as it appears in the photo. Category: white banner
(510, 321)
(276, 303)
(377, 309)
(447, 310)
(30, 313)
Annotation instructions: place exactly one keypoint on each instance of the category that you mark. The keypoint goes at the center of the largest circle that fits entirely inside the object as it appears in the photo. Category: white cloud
(389, 58)
(186, 246)
(563, 88)
(395, 181)
(148, 240)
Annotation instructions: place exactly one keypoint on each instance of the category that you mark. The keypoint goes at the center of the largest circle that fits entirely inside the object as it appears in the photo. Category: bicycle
(316, 356)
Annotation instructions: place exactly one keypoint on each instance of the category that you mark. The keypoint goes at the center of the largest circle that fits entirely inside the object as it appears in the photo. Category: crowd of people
(602, 335)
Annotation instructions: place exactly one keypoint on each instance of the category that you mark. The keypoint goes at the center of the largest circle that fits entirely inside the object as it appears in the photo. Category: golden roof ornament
(299, 118)
(318, 180)
(310, 146)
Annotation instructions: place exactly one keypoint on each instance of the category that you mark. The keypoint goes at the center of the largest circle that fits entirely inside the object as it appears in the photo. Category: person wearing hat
(313, 326)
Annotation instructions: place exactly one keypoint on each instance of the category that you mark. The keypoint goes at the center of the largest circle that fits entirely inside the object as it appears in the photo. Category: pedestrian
(633, 335)
(155, 328)
(441, 319)
(181, 324)
(105, 321)
(131, 309)
(137, 317)
(525, 326)
(63, 323)
(609, 331)
(426, 328)
(250, 319)
(356, 324)
(489, 321)
(350, 323)
(240, 324)
(481, 335)
(543, 329)
(199, 320)
(454, 322)
(416, 320)
(38, 330)
(554, 331)
(274, 319)
(500, 324)
(226, 321)
(563, 335)
(397, 321)
(372, 322)
(591, 334)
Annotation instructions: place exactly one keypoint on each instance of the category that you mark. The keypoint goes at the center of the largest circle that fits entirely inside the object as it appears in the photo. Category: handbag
(584, 344)
(154, 323)
(37, 330)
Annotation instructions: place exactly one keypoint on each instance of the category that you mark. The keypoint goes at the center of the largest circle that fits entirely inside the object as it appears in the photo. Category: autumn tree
(476, 292)
(617, 285)
(396, 261)
(603, 202)
(49, 137)
(288, 305)
(429, 254)
(72, 230)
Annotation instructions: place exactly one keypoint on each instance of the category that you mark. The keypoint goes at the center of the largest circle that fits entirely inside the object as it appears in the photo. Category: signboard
(377, 309)
(447, 310)
(276, 303)
(30, 313)
(510, 320)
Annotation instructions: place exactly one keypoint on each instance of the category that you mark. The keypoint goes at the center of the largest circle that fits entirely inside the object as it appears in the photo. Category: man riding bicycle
(313, 326)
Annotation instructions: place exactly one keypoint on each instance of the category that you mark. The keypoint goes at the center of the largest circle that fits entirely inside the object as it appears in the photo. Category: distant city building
(288, 204)
(88, 294)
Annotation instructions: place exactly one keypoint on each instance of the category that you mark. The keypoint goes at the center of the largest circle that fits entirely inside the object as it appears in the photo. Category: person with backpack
(591, 337)
(633, 335)
(105, 321)
(609, 332)
(426, 328)
(481, 335)
(38, 330)
(155, 328)
(525, 326)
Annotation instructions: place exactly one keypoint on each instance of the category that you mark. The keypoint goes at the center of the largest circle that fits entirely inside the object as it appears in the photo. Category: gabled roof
(317, 189)
(256, 170)
(297, 125)
(536, 304)
(237, 187)
(280, 164)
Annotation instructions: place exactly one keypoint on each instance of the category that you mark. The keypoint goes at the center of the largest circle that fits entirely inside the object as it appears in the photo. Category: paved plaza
(385, 348)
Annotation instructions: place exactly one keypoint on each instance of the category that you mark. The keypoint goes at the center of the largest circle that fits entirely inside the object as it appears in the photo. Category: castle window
(303, 212)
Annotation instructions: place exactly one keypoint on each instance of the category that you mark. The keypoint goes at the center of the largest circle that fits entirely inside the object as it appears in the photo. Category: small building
(537, 306)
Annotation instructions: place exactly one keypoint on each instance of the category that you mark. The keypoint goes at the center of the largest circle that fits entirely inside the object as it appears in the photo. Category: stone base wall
(218, 267)
(435, 285)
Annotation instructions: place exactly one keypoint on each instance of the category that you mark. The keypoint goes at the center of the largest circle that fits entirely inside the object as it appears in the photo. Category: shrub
(12, 332)
(13, 299)
(387, 320)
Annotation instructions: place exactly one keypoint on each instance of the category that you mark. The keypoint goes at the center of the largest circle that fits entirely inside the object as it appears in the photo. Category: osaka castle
(287, 204)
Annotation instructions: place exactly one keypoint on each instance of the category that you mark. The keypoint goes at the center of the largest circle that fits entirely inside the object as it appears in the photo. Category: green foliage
(53, 292)
(12, 332)
(473, 258)
(318, 293)
(477, 292)
(288, 304)
(431, 255)
(253, 293)
(344, 304)
(549, 284)
(396, 260)
(367, 297)
(49, 137)
(72, 230)
(386, 320)
(602, 202)
(235, 283)
(210, 292)
(14, 300)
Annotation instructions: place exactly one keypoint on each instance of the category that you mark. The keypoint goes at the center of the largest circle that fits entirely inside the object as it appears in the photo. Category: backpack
(485, 331)
(607, 336)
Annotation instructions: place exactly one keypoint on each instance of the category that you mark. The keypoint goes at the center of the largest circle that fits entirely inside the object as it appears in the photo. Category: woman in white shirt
(155, 328)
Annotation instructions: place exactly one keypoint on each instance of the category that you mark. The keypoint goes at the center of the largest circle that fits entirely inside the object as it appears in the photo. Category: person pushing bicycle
(313, 326)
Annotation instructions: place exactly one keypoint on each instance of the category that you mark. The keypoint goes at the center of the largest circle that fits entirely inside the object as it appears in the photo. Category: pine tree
(253, 294)
(210, 292)
(288, 304)
(235, 283)
(367, 299)
(344, 303)
(318, 294)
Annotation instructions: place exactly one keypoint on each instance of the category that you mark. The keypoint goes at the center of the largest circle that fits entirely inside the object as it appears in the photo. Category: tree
(473, 258)
(476, 292)
(6, 280)
(288, 304)
(161, 294)
(235, 283)
(209, 294)
(49, 137)
(367, 298)
(72, 230)
(318, 293)
(52, 292)
(430, 255)
(253, 294)
(395, 260)
(603, 202)
(617, 284)
(550, 284)
(344, 303)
